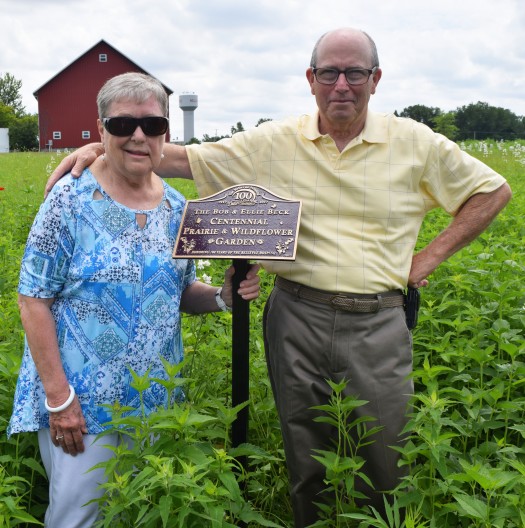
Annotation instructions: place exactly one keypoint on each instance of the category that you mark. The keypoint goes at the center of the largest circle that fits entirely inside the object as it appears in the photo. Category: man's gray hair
(373, 50)
(135, 86)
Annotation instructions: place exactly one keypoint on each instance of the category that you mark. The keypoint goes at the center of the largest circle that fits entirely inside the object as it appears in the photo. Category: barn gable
(67, 108)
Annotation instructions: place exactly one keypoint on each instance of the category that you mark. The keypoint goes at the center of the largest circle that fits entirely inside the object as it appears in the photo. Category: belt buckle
(342, 302)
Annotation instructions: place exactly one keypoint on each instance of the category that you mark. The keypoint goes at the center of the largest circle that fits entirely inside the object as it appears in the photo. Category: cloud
(247, 60)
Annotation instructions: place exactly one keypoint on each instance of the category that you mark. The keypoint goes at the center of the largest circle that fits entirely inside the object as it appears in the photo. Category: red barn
(67, 107)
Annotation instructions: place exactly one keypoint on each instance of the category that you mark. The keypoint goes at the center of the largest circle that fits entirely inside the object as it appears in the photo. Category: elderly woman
(100, 297)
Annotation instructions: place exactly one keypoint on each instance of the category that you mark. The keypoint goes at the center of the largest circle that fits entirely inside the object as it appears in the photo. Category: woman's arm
(200, 298)
(40, 330)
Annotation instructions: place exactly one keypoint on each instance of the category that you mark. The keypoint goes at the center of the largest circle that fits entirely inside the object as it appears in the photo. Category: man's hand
(75, 163)
(420, 269)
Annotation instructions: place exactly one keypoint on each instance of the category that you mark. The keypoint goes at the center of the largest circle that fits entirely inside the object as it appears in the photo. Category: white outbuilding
(4, 140)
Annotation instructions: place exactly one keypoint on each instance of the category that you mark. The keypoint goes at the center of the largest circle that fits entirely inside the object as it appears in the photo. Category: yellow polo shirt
(361, 208)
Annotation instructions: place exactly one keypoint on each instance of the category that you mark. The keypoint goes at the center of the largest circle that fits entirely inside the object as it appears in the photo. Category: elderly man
(366, 181)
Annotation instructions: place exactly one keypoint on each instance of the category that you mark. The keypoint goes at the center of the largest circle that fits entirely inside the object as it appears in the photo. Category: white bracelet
(65, 405)
(220, 301)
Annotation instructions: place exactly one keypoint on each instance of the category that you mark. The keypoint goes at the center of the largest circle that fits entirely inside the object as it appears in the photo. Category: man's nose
(341, 82)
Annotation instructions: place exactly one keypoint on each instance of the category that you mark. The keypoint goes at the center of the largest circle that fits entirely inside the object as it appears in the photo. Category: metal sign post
(240, 355)
(242, 222)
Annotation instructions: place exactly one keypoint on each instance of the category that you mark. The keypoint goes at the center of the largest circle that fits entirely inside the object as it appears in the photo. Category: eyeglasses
(353, 76)
(126, 126)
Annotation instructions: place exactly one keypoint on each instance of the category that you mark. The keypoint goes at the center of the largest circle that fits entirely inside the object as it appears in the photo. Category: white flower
(206, 278)
(201, 264)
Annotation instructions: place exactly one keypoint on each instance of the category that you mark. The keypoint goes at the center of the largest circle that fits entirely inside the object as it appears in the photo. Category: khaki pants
(307, 343)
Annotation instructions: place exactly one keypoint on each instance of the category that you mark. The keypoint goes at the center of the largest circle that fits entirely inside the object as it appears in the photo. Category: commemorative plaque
(240, 222)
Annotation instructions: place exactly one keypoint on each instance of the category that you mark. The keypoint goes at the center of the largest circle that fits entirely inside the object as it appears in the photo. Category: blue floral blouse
(117, 293)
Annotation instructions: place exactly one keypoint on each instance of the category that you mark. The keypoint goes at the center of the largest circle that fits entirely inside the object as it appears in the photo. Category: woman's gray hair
(135, 86)
(373, 50)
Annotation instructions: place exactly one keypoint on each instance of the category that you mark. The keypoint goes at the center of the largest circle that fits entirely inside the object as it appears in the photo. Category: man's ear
(375, 80)
(311, 78)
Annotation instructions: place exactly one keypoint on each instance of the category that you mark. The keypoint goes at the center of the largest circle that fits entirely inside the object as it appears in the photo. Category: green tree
(206, 138)
(7, 116)
(481, 120)
(212, 139)
(23, 128)
(23, 133)
(237, 128)
(446, 124)
(10, 93)
(422, 114)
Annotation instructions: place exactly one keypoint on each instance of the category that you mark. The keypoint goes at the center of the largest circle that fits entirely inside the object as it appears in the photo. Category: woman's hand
(249, 288)
(67, 427)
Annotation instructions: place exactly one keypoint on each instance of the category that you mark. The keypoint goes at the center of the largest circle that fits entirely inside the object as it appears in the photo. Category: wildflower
(206, 278)
(2, 188)
(201, 264)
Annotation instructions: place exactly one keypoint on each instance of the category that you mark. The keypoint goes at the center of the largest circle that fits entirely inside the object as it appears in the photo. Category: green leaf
(165, 509)
(230, 483)
(473, 507)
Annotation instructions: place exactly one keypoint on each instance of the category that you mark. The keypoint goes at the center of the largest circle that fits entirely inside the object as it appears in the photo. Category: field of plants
(465, 449)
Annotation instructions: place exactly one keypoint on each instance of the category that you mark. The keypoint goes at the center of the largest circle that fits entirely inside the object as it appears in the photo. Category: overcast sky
(246, 59)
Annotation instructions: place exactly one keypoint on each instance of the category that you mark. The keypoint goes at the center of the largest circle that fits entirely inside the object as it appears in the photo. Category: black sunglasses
(126, 126)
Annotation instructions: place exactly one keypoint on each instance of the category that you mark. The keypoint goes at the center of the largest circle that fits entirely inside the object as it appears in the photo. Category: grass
(467, 426)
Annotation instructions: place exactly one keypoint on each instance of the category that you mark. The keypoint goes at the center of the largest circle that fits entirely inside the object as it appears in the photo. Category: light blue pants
(71, 484)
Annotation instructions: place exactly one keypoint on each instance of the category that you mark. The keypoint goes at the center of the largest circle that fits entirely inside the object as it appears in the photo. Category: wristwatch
(220, 302)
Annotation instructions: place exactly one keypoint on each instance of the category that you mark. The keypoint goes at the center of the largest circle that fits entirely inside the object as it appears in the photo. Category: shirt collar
(375, 130)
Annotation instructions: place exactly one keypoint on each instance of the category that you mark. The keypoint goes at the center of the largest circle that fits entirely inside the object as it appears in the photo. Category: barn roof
(35, 93)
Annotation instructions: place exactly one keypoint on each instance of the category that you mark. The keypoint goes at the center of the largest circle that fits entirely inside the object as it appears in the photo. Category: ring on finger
(59, 437)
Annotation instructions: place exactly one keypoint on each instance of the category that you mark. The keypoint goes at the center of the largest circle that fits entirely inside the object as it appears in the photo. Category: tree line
(473, 121)
(23, 127)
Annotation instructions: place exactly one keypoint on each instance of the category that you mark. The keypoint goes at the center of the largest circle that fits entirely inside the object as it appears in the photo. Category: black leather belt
(359, 303)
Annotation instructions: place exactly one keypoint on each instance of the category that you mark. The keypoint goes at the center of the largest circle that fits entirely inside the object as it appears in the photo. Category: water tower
(188, 103)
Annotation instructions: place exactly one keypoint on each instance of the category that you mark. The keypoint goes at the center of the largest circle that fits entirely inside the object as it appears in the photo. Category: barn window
(86, 134)
(57, 135)
(102, 57)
